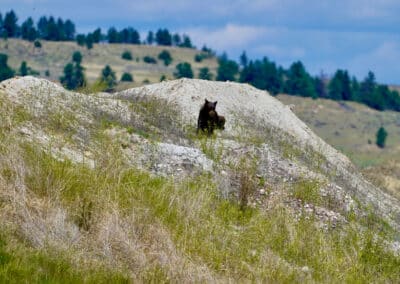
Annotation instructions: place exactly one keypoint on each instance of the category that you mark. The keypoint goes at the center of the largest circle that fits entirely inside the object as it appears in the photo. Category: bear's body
(209, 119)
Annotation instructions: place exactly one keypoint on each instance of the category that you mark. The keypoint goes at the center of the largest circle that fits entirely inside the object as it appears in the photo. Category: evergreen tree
(183, 70)
(81, 39)
(77, 57)
(163, 37)
(369, 94)
(60, 30)
(263, 75)
(166, 57)
(205, 74)
(96, 35)
(381, 135)
(150, 38)
(340, 86)
(320, 83)
(28, 30)
(5, 71)
(10, 24)
(42, 27)
(243, 59)
(52, 30)
(67, 80)
(355, 89)
(126, 77)
(89, 41)
(227, 69)
(108, 77)
(23, 69)
(112, 35)
(186, 42)
(74, 76)
(299, 82)
(69, 30)
(176, 40)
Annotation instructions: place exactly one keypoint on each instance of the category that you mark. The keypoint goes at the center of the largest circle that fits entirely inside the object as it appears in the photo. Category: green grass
(172, 225)
(231, 241)
(20, 263)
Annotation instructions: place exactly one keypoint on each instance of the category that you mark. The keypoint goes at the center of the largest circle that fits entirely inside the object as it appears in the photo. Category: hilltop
(110, 187)
(53, 56)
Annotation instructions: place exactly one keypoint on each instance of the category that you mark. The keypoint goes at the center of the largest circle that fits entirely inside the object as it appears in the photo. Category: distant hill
(53, 56)
(351, 128)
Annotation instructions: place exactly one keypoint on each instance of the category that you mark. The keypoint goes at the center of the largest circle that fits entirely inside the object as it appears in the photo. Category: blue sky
(325, 35)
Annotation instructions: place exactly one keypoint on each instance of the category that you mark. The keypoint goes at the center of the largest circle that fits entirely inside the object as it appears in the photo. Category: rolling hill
(53, 56)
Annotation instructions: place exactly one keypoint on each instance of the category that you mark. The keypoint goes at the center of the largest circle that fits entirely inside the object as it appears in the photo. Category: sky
(326, 35)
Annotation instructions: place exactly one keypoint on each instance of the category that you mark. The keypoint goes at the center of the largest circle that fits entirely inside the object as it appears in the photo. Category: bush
(149, 60)
(5, 71)
(127, 55)
(166, 57)
(183, 70)
(37, 44)
(205, 74)
(381, 135)
(199, 57)
(126, 77)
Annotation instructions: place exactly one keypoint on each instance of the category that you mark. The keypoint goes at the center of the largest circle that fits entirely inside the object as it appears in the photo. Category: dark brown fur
(209, 119)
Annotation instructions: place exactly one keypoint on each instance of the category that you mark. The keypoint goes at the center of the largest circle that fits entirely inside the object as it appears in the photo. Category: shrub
(37, 44)
(381, 135)
(127, 55)
(126, 77)
(166, 57)
(150, 60)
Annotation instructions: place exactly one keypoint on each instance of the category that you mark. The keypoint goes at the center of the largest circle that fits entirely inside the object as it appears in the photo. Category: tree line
(267, 75)
(52, 29)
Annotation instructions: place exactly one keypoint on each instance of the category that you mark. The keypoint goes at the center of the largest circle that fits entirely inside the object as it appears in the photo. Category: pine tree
(183, 70)
(299, 82)
(205, 74)
(23, 69)
(10, 24)
(381, 135)
(108, 77)
(28, 30)
(227, 69)
(165, 56)
(5, 71)
(150, 38)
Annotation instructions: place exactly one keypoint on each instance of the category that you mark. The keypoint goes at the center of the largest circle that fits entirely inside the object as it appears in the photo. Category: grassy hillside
(53, 56)
(351, 128)
(73, 208)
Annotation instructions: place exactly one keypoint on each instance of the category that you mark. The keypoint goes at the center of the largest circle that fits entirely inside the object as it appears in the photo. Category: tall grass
(134, 226)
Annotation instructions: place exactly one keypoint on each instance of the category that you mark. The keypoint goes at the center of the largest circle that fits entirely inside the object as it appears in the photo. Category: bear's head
(210, 105)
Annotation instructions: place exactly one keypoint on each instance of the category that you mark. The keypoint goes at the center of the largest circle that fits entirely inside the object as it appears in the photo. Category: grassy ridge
(53, 56)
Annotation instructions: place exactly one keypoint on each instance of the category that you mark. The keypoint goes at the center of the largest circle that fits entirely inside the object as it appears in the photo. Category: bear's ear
(215, 103)
(206, 101)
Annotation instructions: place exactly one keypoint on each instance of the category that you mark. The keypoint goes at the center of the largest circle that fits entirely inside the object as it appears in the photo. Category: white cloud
(382, 60)
(229, 37)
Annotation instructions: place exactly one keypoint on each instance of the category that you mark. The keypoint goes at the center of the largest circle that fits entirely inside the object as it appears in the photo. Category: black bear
(209, 118)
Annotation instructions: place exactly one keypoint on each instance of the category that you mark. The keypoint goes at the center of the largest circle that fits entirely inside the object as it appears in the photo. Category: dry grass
(53, 56)
(64, 221)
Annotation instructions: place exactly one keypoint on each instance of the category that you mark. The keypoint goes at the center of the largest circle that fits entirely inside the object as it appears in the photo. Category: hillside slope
(122, 182)
(53, 56)
(351, 128)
